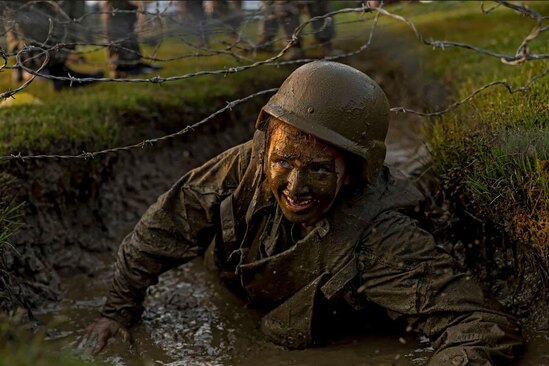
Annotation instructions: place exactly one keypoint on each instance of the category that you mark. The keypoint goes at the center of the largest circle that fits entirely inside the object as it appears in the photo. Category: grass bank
(10, 222)
(96, 116)
(491, 153)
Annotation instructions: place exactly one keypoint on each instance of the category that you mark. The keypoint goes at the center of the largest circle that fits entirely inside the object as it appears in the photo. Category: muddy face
(304, 173)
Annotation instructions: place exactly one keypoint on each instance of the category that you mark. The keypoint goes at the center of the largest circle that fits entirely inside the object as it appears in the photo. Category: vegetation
(10, 221)
(93, 117)
(495, 149)
(492, 152)
(19, 348)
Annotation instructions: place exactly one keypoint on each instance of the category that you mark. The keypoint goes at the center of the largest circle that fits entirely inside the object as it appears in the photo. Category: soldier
(286, 13)
(229, 14)
(43, 24)
(123, 53)
(304, 219)
(75, 9)
(192, 18)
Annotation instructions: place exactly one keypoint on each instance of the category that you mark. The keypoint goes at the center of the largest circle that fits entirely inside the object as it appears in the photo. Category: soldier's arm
(405, 273)
(174, 230)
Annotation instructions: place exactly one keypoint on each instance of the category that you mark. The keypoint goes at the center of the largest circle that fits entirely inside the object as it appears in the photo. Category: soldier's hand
(100, 331)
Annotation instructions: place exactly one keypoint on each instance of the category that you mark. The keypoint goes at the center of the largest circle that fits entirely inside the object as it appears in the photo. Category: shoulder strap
(340, 279)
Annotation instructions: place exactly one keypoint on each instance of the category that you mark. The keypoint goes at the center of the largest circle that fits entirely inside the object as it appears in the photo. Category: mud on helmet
(337, 104)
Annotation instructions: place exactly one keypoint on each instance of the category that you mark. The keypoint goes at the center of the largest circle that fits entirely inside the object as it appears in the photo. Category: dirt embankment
(78, 208)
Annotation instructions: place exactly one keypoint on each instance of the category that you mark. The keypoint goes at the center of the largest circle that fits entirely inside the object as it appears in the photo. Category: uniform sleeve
(403, 271)
(174, 230)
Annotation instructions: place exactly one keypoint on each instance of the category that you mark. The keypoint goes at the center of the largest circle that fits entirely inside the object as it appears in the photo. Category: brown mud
(78, 212)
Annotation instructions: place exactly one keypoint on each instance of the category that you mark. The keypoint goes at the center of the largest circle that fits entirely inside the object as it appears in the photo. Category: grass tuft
(10, 222)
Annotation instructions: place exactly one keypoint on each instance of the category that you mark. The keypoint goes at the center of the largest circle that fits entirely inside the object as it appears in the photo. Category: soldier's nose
(298, 184)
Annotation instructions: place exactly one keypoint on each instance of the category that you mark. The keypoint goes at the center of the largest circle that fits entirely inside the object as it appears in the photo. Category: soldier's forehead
(301, 146)
(283, 131)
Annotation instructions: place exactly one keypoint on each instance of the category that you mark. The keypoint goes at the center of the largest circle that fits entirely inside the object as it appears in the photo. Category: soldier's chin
(299, 217)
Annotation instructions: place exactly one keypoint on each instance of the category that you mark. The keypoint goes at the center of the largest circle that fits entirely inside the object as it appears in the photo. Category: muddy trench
(78, 212)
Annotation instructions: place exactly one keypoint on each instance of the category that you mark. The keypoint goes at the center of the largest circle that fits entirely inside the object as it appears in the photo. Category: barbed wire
(456, 104)
(157, 79)
(145, 143)
(11, 93)
(230, 105)
(521, 56)
(43, 50)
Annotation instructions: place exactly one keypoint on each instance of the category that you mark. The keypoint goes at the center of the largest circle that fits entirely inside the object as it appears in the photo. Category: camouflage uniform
(229, 12)
(47, 25)
(364, 252)
(28, 23)
(75, 9)
(124, 52)
(286, 13)
(192, 17)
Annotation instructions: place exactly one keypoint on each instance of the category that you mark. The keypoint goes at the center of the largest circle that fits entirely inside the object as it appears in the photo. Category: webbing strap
(340, 279)
(228, 224)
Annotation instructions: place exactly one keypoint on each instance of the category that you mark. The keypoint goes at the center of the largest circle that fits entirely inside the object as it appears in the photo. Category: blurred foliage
(19, 347)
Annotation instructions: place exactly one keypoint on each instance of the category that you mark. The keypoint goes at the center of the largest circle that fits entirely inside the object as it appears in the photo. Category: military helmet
(338, 104)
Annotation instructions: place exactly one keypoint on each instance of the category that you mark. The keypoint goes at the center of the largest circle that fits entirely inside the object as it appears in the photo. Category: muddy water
(191, 319)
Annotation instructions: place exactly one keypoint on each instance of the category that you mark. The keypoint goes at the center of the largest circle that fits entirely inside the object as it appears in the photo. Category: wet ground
(191, 319)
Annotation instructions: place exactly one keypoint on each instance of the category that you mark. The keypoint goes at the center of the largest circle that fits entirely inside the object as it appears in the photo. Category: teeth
(300, 203)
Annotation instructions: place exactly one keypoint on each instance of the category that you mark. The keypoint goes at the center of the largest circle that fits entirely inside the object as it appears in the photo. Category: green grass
(10, 222)
(491, 153)
(92, 117)
(496, 147)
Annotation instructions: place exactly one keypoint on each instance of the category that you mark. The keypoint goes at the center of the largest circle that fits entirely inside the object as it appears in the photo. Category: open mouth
(298, 205)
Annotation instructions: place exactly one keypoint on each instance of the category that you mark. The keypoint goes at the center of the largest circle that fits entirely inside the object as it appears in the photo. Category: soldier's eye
(283, 163)
(321, 168)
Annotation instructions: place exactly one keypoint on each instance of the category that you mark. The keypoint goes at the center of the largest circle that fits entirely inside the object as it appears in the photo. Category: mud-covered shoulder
(223, 171)
(396, 240)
